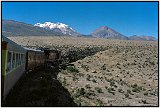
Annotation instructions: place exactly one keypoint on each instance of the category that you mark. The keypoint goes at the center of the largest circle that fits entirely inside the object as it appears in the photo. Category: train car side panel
(13, 65)
(12, 77)
(35, 59)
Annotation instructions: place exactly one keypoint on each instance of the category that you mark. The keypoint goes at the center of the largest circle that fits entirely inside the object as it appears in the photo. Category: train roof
(12, 46)
(31, 49)
(51, 50)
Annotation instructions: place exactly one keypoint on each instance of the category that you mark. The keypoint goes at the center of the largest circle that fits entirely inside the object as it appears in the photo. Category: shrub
(129, 92)
(146, 94)
(85, 67)
(80, 92)
(75, 78)
(99, 102)
(118, 64)
(123, 83)
(99, 90)
(110, 90)
(144, 101)
(126, 95)
(94, 81)
(115, 86)
(81, 74)
(72, 69)
(89, 93)
(103, 67)
(88, 86)
(64, 81)
(120, 90)
(88, 77)
(106, 87)
(112, 83)
(136, 88)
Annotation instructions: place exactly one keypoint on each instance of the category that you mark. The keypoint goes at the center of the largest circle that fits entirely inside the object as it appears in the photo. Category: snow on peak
(49, 25)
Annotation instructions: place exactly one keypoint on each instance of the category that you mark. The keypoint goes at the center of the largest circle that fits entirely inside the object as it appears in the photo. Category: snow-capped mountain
(58, 27)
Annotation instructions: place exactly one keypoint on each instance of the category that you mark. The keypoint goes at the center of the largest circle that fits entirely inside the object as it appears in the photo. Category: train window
(19, 57)
(9, 64)
(22, 58)
(13, 60)
(17, 60)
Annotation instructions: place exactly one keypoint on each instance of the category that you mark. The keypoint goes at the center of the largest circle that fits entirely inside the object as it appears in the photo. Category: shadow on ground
(39, 88)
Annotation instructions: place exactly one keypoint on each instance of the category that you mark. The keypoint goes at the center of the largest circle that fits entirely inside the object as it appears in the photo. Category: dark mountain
(144, 38)
(14, 28)
(106, 32)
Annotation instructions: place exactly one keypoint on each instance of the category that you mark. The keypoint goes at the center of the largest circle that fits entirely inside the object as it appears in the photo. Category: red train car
(34, 58)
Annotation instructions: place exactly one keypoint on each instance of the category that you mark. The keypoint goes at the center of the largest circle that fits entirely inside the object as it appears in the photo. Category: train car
(17, 59)
(52, 56)
(34, 58)
(13, 64)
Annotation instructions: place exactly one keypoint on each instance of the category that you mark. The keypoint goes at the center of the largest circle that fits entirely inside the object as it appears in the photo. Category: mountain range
(15, 28)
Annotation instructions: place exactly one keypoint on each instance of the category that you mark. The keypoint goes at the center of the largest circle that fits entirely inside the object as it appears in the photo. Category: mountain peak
(58, 27)
(106, 32)
(51, 25)
(104, 27)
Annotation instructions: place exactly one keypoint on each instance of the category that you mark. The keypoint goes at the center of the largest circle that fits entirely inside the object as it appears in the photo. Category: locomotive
(16, 60)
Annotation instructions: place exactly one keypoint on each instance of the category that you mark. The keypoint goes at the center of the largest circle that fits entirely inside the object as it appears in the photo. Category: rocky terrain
(115, 77)
(105, 72)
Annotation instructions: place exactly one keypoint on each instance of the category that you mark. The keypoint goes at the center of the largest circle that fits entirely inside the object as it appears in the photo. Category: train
(16, 60)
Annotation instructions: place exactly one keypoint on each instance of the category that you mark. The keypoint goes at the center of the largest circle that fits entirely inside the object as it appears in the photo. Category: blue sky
(128, 18)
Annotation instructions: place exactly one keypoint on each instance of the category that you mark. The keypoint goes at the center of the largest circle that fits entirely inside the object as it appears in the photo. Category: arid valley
(104, 72)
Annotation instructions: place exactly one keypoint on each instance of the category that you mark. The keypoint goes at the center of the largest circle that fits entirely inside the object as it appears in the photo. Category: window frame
(20, 60)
